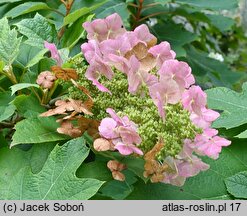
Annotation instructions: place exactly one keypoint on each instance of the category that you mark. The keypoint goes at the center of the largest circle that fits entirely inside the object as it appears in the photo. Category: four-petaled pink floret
(121, 132)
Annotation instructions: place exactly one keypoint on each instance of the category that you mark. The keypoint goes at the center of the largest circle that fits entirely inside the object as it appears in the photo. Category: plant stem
(36, 94)
(68, 4)
(9, 73)
(138, 15)
(152, 15)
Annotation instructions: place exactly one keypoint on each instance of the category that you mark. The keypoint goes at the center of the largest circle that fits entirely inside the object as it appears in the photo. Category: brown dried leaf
(118, 176)
(140, 50)
(68, 128)
(115, 165)
(75, 106)
(89, 125)
(102, 144)
(148, 63)
(157, 178)
(152, 42)
(152, 167)
(129, 54)
(84, 123)
(152, 153)
(64, 73)
(112, 165)
(79, 107)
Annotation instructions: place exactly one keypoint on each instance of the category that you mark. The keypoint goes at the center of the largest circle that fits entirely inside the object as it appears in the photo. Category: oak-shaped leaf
(233, 104)
(57, 179)
(9, 42)
(237, 185)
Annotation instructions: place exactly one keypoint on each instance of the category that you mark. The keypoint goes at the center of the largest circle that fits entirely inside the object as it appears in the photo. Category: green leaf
(11, 161)
(96, 169)
(36, 130)
(2, 65)
(37, 30)
(28, 106)
(29, 55)
(39, 154)
(19, 86)
(237, 185)
(75, 32)
(114, 6)
(9, 42)
(217, 72)
(10, 1)
(5, 98)
(6, 112)
(242, 135)
(136, 165)
(26, 8)
(211, 4)
(72, 17)
(36, 58)
(3, 143)
(221, 22)
(175, 35)
(119, 190)
(163, 2)
(206, 185)
(56, 180)
(233, 105)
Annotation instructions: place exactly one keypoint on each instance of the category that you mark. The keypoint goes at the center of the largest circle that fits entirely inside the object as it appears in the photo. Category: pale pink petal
(54, 52)
(127, 149)
(129, 135)
(194, 99)
(143, 34)
(107, 128)
(162, 52)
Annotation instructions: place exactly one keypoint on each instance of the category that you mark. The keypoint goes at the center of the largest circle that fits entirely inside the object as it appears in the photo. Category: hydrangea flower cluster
(151, 98)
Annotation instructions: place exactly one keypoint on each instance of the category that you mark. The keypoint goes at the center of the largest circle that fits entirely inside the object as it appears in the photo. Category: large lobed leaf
(9, 42)
(233, 105)
(37, 30)
(237, 185)
(36, 130)
(57, 179)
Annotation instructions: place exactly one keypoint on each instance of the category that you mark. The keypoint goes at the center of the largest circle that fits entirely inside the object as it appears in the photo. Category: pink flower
(209, 144)
(129, 135)
(117, 47)
(127, 149)
(166, 91)
(162, 52)
(137, 77)
(121, 132)
(188, 164)
(194, 99)
(102, 29)
(191, 167)
(178, 71)
(172, 176)
(95, 70)
(205, 119)
(119, 63)
(107, 128)
(91, 51)
(46, 79)
(143, 34)
(54, 52)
